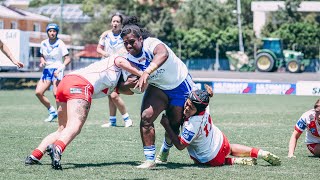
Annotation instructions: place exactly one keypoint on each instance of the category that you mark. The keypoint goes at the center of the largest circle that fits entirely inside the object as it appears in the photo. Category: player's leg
(77, 112)
(37, 153)
(43, 85)
(112, 113)
(119, 103)
(153, 103)
(245, 151)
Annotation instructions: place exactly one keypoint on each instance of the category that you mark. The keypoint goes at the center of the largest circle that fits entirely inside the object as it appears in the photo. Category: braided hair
(132, 25)
(200, 98)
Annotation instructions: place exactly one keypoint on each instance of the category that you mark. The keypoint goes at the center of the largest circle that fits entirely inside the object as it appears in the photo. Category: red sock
(254, 153)
(229, 161)
(59, 144)
(37, 154)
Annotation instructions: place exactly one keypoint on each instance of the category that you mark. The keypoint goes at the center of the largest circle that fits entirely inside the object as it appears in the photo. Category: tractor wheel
(265, 62)
(294, 66)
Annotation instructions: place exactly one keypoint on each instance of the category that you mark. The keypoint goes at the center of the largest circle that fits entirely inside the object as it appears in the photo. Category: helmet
(52, 26)
(200, 99)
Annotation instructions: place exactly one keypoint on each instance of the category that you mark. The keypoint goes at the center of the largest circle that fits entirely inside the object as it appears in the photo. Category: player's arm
(100, 47)
(173, 136)
(126, 65)
(7, 52)
(161, 54)
(293, 142)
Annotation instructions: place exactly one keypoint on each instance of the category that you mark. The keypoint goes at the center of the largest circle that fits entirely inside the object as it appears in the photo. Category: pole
(61, 16)
(216, 64)
(241, 48)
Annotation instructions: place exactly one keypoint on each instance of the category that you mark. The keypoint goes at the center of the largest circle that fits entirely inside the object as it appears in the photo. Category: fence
(208, 64)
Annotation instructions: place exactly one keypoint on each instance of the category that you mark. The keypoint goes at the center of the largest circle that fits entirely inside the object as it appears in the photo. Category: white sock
(125, 116)
(52, 109)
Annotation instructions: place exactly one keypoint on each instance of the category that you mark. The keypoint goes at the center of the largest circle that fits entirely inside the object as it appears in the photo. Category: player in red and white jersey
(74, 95)
(309, 121)
(206, 144)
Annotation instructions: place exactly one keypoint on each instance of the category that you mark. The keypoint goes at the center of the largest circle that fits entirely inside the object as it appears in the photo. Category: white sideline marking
(230, 80)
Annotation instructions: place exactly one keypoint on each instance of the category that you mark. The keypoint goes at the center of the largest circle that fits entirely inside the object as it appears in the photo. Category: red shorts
(311, 147)
(74, 87)
(219, 160)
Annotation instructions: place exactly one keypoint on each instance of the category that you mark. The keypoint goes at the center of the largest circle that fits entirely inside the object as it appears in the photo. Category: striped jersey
(169, 75)
(53, 53)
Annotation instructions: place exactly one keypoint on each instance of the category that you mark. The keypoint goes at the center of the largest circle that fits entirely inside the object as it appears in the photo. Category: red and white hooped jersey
(103, 76)
(203, 138)
(308, 122)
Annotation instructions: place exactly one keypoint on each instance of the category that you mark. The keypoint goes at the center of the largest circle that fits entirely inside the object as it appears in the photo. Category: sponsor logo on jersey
(301, 124)
(187, 135)
(75, 91)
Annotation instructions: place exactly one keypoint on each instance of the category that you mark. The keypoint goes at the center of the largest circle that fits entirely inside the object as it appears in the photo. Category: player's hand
(42, 64)
(19, 64)
(143, 82)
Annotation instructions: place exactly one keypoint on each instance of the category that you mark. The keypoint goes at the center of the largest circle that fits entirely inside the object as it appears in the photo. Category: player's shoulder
(308, 115)
(105, 33)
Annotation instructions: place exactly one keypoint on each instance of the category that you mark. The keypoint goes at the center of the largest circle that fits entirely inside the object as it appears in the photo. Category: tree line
(197, 26)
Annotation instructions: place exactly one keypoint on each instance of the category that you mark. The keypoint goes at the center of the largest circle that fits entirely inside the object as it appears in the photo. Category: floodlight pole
(61, 15)
(241, 48)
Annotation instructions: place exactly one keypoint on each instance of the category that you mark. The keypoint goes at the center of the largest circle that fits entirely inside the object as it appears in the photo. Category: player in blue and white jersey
(54, 58)
(309, 122)
(110, 43)
(165, 81)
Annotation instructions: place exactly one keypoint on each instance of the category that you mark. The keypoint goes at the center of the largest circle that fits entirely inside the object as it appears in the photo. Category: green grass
(263, 121)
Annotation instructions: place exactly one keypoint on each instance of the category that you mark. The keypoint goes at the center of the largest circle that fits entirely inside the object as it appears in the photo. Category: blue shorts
(179, 95)
(48, 74)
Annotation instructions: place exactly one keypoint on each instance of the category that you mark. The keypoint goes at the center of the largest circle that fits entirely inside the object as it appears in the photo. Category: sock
(165, 146)
(60, 145)
(254, 153)
(37, 154)
(229, 161)
(125, 116)
(113, 120)
(149, 152)
(52, 109)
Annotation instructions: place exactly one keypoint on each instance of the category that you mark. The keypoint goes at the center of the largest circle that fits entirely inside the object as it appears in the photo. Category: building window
(36, 27)
(14, 25)
(1, 25)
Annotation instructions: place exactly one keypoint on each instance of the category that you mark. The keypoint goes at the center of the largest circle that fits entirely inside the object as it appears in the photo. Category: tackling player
(74, 95)
(205, 142)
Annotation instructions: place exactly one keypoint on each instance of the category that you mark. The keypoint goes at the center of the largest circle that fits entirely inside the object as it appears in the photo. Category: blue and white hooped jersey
(308, 122)
(203, 138)
(53, 53)
(112, 43)
(169, 75)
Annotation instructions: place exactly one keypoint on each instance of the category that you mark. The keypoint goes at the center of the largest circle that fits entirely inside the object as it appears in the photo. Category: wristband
(151, 68)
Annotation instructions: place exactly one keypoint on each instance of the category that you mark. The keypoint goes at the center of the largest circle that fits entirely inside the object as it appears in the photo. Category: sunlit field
(264, 121)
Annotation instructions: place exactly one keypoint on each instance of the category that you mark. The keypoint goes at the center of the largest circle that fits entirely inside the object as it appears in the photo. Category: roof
(14, 13)
(90, 51)
(71, 12)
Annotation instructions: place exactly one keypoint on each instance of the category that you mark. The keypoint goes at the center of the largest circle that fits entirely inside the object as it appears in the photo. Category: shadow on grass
(169, 165)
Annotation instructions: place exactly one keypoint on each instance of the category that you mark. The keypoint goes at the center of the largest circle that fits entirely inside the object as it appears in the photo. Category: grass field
(263, 121)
